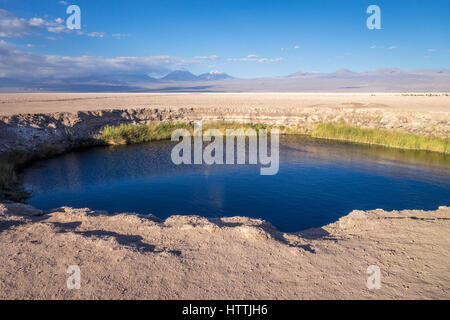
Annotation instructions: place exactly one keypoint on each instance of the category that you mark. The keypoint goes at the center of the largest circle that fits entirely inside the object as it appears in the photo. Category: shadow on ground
(132, 241)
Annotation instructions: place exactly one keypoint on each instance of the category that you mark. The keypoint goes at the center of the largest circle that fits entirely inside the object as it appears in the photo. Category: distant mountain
(379, 80)
(213, 76)
(342, 73)
(377, 73)
(180, 75)
(303, 74)
(116, 79)
(385, 71)
(432, 72)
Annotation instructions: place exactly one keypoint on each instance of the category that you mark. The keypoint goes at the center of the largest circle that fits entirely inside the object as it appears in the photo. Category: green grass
(394, 139)
(10, 184)
(11, 163)
(133, 134)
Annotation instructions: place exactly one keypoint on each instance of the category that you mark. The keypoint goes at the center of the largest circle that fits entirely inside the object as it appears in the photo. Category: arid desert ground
(71, 102)
(127, 256)
(132, 257)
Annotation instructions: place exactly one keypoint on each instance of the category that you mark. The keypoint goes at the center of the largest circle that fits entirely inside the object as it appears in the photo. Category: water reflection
(318, 182)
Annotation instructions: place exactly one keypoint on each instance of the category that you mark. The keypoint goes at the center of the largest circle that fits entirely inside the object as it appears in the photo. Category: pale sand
(132, 257)
(126, 256)
(72, 102)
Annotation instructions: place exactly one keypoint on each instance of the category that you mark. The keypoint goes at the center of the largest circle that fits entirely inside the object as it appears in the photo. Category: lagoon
(318, 182)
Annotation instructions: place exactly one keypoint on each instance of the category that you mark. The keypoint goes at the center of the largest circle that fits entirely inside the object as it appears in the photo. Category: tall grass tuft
(10, 184)
(11, 163)
(140, 133)
(389, 138)
(134, 133)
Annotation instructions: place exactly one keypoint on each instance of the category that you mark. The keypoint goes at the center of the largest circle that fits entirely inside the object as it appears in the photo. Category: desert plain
(19, 103)
(128, 256)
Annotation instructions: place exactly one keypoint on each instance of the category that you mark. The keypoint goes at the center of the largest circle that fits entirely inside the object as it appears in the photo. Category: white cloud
(12, 26)
(23, 65)
(267, 60)
(37, 22)
(373, 47)
(296, 47)
(255, 58)
(207, 58)
(96, 34)
(120, 35)
(431, 50)
(64, 3)
(392, 47)
(59, 29)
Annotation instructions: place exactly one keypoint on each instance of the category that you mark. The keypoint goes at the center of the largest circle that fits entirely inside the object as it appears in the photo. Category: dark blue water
(318, 182)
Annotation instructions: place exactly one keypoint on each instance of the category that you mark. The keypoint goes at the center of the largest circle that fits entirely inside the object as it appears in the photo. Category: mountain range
(344, 80)
(183, 75)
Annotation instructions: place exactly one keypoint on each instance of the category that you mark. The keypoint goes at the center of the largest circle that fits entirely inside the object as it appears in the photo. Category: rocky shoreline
(29, 132)
(127, 256)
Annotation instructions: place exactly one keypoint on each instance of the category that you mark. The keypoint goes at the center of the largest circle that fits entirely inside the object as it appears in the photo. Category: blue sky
(242, 38)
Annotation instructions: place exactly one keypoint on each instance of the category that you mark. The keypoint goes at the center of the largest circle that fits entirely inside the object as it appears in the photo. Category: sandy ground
(129, 256)
(72, 102)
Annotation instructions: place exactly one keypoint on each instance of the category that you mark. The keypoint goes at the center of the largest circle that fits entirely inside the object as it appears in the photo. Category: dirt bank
(129, 256)
(29, 132)
(73, 102)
